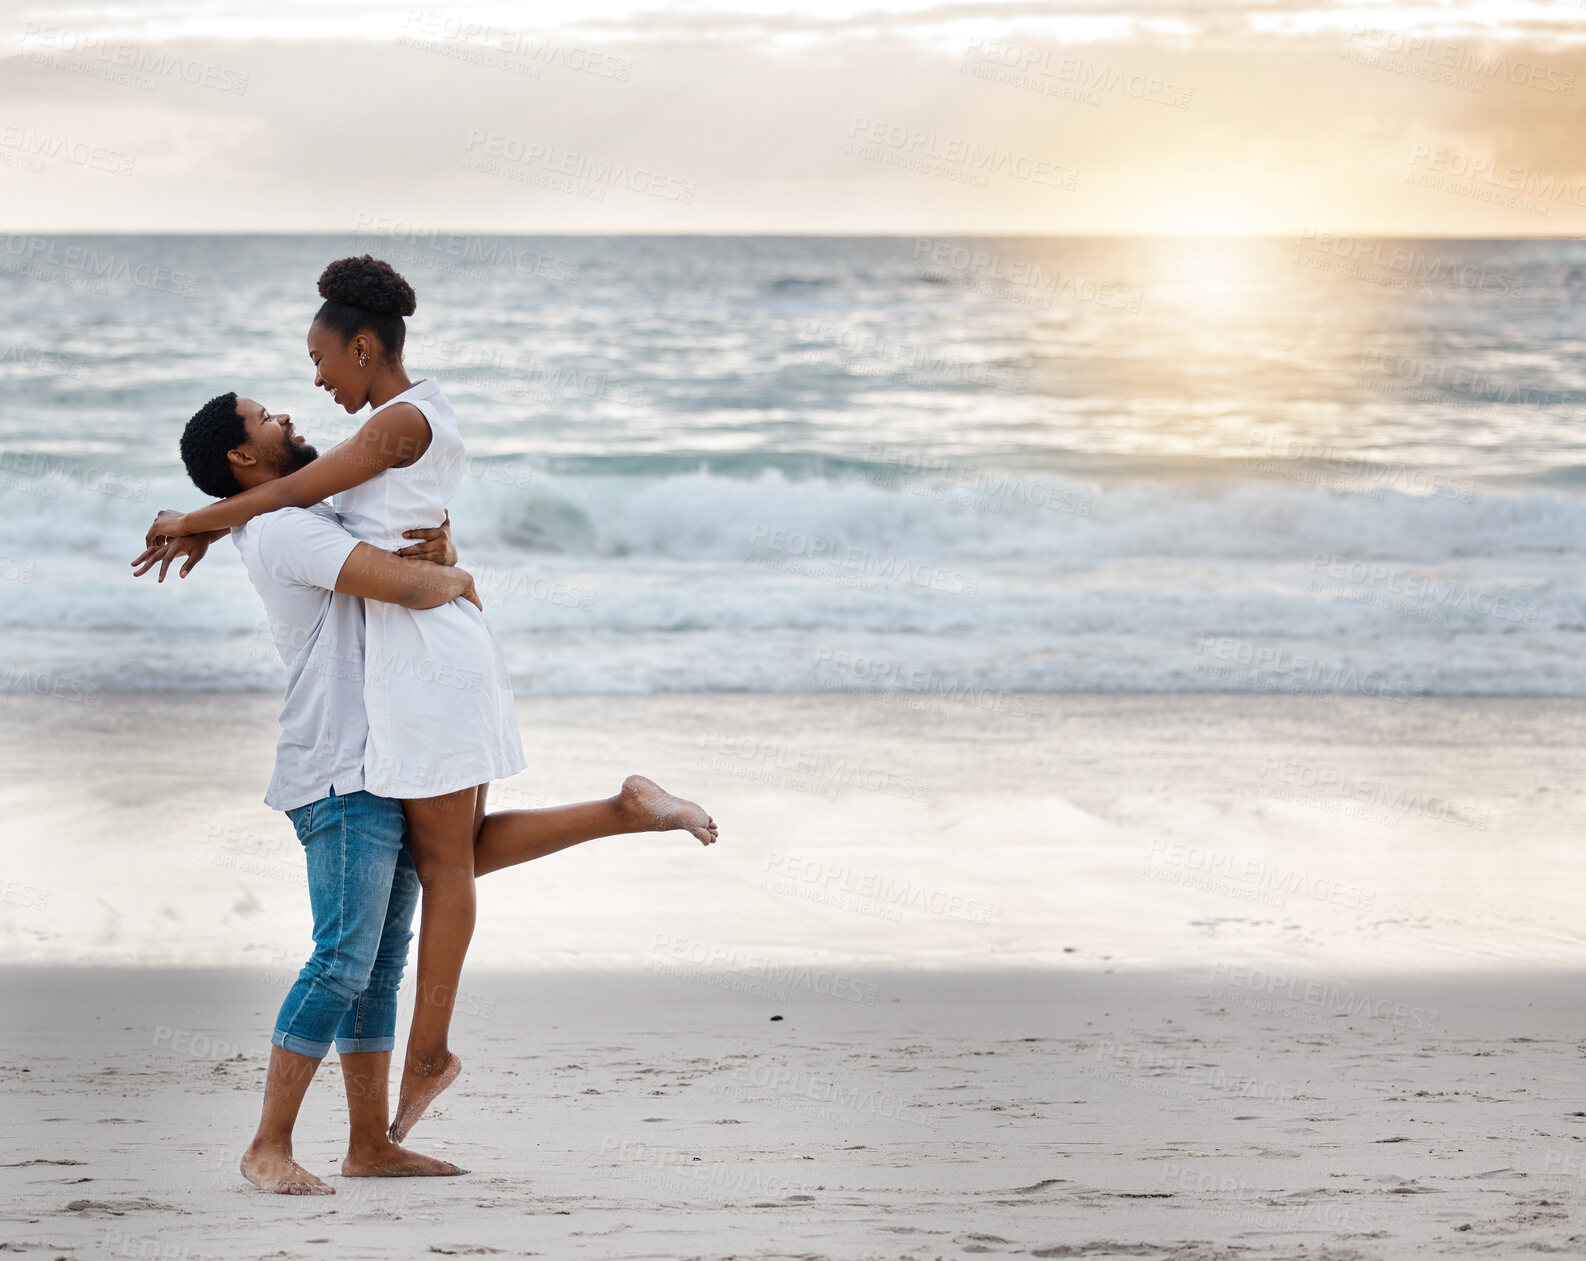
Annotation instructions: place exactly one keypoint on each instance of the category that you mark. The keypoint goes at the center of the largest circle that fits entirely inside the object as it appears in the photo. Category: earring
(363, 361)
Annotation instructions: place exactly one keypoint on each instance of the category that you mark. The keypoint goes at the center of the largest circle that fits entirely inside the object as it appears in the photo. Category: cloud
(624, 21)
(1272, 133)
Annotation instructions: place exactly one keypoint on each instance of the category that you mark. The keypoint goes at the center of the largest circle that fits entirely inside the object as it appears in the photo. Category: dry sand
(1145, 976)
(1038, 1114)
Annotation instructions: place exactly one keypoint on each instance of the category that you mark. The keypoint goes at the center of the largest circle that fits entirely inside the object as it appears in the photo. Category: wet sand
(1189, 976)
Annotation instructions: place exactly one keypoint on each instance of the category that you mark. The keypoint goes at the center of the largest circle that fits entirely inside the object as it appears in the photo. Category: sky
(1149, 117)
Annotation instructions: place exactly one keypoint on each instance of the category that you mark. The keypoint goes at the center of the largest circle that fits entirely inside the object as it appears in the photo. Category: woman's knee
(441, 840)
(443, 871)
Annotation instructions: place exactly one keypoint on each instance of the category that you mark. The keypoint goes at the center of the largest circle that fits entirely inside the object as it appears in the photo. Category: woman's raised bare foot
(276, 1172)
(388, 1160)
(421, 1088)
(653, 809)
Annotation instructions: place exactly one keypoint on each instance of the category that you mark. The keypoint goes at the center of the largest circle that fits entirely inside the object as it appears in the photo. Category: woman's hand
(170, 524)
(192, 546)
(435, 545)
(469, 593)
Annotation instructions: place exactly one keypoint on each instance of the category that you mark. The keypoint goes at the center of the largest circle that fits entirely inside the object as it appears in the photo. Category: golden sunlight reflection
(1216, 277)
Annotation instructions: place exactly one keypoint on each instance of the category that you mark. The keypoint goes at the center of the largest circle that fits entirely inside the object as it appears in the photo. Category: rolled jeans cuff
(359, 1046)
(299, 1046)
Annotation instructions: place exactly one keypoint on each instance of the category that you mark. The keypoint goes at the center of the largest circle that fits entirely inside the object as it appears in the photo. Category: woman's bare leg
(509, 837)
(480, 794)
(504, 839)
(441, 833)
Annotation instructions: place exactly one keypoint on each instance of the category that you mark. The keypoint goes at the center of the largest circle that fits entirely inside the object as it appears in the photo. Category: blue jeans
(362, 887)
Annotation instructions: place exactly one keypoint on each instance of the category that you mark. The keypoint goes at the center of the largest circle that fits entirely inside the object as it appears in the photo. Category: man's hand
(374, 574)
(170, 524)
(436, 544)
(192, 546)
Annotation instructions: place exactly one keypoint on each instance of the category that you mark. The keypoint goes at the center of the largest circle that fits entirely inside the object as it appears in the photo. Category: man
(313, 576)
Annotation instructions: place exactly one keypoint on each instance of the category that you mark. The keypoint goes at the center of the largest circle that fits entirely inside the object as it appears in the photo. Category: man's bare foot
(387, 1160)
(653, 809)
(420, 1088)
(278, 1173)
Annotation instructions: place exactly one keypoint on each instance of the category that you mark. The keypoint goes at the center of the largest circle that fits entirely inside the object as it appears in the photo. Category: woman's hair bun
(369, 283)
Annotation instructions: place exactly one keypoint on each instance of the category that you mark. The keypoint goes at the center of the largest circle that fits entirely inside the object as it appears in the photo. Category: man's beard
(293, 457)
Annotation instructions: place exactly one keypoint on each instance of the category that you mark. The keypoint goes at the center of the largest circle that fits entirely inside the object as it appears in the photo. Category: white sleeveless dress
(435, 681)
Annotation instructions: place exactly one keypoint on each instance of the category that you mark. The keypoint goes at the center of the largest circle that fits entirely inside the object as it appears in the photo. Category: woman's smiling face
(336, 366)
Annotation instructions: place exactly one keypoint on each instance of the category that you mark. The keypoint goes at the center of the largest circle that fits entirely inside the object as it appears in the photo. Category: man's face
(276, 447)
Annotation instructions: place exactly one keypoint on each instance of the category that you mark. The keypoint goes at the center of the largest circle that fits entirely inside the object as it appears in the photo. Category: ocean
(971, 467)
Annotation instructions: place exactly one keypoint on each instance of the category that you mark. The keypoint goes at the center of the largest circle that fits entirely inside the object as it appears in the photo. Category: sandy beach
(1046, 1114)
(1192, 977)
